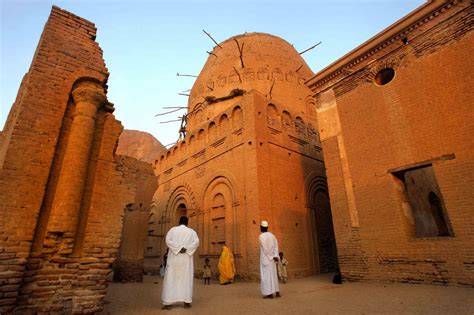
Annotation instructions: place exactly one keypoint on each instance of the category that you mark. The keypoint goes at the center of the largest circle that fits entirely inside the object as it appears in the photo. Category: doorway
(180, 212)
(326, 243)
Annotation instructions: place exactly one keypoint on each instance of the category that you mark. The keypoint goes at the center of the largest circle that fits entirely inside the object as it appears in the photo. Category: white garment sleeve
(194, 245)
(267, 246)
(171, 242)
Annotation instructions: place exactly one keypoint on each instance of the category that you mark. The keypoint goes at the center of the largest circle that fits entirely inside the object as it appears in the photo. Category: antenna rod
(175, 107)
(169, 112)
(186, 75)
(309, 48)
(212, 39)
(169, 121)
(184, 94)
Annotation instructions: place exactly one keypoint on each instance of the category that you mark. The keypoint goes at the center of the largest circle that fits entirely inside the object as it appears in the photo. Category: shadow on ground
(312, 295)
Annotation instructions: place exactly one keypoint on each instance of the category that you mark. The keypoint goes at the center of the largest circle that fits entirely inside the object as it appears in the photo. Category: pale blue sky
(146, 43)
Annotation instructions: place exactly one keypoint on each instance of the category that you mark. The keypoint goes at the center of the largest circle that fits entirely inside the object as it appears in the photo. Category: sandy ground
(313, 295)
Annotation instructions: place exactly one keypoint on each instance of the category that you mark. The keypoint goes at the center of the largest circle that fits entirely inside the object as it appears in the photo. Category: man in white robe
(268, 262)
(179, 272)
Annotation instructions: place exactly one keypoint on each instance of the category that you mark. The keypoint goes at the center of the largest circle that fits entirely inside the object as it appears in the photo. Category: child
(207, 272)
(282, 272)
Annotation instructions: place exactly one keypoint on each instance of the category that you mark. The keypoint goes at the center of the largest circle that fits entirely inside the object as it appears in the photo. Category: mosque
(365, 166)
(252, 152)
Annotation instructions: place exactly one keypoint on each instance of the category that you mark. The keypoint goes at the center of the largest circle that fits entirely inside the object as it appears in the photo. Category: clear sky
(146, 43)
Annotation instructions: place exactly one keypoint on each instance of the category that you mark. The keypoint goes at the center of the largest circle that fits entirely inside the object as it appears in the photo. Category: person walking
(268, 263)
(179, 273)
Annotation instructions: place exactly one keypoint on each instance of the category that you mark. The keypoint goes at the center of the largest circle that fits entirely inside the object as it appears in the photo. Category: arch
(198, 116)
(322, 231)
(237, 117)
(200, 136)
(223, 124)
(300, 126)
(181, 195)
(286, 121)
(153, 248)
(310, 106)
(272, 115)
(220, 220)
(183, 148)
(212, 132)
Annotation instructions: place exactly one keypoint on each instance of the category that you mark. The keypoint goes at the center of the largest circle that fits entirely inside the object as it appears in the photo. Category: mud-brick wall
(129, 266)
(371, 132)
(58, 145)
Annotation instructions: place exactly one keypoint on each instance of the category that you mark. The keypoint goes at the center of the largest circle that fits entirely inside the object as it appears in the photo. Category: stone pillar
(88, 97)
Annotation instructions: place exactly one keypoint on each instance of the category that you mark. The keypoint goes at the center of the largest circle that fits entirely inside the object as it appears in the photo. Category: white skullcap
(264, 224)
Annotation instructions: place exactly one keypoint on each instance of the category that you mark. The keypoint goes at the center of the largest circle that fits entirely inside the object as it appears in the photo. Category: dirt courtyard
(313, 295)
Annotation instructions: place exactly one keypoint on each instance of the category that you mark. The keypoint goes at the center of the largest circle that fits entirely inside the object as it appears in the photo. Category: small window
(384, 76)
(426, 202)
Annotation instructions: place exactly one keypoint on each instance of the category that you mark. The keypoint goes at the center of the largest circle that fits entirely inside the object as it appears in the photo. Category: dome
(253, 61)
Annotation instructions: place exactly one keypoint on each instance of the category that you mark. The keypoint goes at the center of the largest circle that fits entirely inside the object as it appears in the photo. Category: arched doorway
(327, 253)
(325, 259)
(180, 212)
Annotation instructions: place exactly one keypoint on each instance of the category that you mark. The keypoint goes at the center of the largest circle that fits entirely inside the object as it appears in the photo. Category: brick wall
(63, 195)
(129, 264)
(422, 117)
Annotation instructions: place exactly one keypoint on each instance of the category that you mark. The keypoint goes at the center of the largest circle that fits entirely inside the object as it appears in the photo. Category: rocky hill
(140, 145)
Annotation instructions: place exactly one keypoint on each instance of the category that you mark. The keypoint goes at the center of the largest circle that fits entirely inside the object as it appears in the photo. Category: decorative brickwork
(251, 153)
(416, 127)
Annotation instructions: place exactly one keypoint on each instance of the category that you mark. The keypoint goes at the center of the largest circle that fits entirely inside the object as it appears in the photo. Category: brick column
(89, 98)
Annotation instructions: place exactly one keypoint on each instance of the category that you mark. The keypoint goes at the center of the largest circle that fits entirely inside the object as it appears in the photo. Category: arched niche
(223, 124)
(237, 117)
(154, 237)
(287, 121)
(273, 118)
(181, 202)
(220, 220)
(322, 232)
(300, 127)
(212, 132)
(201, 137)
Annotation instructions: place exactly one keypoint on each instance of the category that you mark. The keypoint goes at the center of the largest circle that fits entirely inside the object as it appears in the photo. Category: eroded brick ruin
(392, 119)
(63, 190)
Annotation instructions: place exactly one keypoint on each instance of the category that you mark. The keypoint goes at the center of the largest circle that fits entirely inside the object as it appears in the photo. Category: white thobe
(179, 273)
(268, 268)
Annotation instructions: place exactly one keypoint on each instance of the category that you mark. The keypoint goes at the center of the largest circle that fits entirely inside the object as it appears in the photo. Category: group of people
(183, 241)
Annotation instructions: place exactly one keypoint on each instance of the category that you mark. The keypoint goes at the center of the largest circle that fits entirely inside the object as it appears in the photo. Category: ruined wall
(247, 156)
(378, 130)
(63, 195)
(129, 263)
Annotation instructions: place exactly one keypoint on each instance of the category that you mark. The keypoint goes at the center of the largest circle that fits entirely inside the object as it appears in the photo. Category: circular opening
(384, 76)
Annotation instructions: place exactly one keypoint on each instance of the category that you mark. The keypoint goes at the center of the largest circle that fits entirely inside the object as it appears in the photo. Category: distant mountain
(140, 145)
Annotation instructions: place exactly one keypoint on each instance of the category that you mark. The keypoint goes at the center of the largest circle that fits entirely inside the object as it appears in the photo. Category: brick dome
(267, 60)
